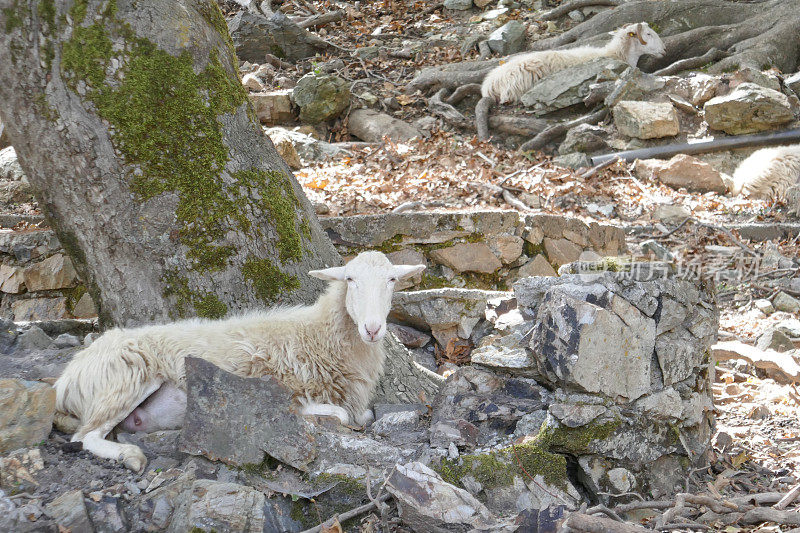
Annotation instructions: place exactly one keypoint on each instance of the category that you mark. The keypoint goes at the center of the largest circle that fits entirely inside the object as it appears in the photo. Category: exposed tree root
(692, 62)
(463, 92)
(482, 109)
(554, 132)
(566, 7)
(512, 125)
(452, 76)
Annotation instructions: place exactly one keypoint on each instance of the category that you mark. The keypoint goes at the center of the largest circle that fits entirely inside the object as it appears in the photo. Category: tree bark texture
(130, 121)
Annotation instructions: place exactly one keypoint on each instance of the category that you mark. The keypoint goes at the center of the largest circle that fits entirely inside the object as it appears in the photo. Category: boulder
(26, 413)
(14, 186)
(273, 107)
(749, 108)
(574, 160)
(682, 171)
(84, 307)
(428, 503)
(371, 126)
(55, 272)
(570, 86)
(468, 257)
(646, 120)
(775, 339)
(508, 39)
(255, 36)
(321, 97)
(237, 420)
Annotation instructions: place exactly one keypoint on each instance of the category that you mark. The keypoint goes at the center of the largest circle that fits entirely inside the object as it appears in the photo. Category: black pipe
(725, 143)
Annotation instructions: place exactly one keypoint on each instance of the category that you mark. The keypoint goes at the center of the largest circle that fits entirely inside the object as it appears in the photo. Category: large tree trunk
(131, 122)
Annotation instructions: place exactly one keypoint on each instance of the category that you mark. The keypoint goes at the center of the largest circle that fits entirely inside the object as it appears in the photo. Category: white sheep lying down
(329, 353)
(768, 173)
(509, 81)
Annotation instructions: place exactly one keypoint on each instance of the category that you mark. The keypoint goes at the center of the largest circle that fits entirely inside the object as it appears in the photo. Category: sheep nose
(372, 330)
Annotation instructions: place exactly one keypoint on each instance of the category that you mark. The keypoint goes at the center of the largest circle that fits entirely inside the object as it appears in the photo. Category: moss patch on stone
(268, 281)
(536, 456)
(14, 16)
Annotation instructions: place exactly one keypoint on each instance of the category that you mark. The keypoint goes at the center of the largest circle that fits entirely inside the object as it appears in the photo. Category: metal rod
(726, 143)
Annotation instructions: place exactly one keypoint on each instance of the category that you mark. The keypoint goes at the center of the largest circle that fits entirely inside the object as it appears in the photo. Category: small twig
(606, 511)
(350, 514)
(788, 499)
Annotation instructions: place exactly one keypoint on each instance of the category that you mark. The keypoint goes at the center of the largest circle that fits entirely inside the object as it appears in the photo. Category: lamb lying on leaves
(329, 353)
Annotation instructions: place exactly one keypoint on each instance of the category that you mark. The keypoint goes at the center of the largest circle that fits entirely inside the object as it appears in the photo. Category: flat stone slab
(237, 420)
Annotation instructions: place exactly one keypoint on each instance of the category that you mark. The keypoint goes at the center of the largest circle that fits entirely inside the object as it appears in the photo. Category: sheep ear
(329, 274)
(406, 271)
(639, 33)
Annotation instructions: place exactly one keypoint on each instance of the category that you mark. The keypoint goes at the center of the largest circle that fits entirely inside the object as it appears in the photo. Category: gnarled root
(482, 109)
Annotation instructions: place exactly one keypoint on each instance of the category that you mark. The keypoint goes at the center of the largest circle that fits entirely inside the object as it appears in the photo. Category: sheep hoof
(134, 459)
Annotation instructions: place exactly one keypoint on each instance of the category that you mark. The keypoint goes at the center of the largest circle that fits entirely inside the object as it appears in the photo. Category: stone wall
(604, 379)
(477, 250)
(38, 280)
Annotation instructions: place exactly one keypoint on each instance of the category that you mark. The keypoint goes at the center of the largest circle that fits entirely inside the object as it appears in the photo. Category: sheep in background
(329, 353)
(768, 173)
(509, 81)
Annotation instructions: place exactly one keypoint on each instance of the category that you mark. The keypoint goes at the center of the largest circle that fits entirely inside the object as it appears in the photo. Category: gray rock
(561, 251)
(570, 86)
(609, 351)
(371, 126)
(9, 166)
(214, 506)
(458, 5)
(55, 272)
(107, 515)
(764, 305)
(538, 266)
(400, 427)
(530, 423)
(427, 503)
(33, 339)
(786, 303)
(752, 75)
(367, 52)
(670, 213)
(69, 512)
(586, 138)
(65, 340)
(446, 312)
(658, 250)
(574, 160)
(646, 120)
(273, 107)
(475, 406)
(748, 109)
(321, 97)
(775, 339)
(383, 409)
(410, 337)
(508, 39)
(255, 36)
(237, 420)
(31, 309)
(10, 516)
(14, 186)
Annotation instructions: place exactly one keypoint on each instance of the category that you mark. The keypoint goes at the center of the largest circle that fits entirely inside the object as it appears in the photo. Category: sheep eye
(393, 279)
(348, 279)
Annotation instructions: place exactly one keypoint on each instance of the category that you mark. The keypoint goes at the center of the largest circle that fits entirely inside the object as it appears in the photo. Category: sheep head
(640, 39)
(371, 279)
